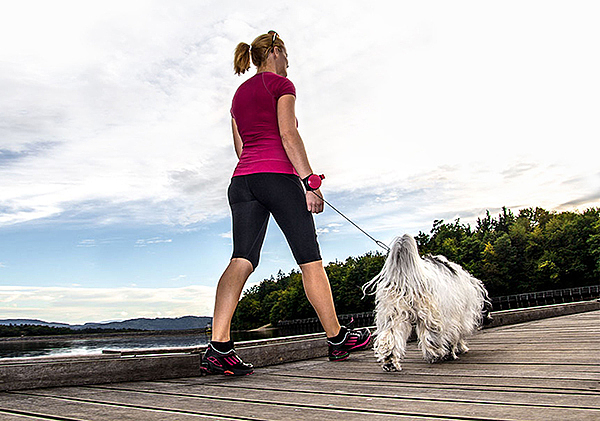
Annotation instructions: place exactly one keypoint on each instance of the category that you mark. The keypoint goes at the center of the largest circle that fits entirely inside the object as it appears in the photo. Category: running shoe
(229, 363)
(352, 340)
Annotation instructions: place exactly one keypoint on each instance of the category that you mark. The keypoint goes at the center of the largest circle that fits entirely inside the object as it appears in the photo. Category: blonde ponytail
(241, 58)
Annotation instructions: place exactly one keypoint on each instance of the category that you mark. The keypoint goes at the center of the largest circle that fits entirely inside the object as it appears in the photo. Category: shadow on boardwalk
(542, 370)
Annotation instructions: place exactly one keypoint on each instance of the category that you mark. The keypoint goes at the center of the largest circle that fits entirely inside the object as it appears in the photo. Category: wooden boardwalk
(542, 370)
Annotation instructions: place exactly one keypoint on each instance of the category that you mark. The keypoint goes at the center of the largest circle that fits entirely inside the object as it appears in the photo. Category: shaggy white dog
(443, 301)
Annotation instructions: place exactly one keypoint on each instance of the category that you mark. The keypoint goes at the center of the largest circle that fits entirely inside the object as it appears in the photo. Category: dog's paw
(432, 359)
(460, 348)
(487, 319)
(389, 367)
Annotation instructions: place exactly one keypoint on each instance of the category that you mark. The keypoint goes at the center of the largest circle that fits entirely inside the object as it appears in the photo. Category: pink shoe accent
(362, 344)
(231, 360)
(215, 361)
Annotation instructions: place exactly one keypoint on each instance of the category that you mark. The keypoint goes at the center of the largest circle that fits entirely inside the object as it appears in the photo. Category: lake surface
(94, 345)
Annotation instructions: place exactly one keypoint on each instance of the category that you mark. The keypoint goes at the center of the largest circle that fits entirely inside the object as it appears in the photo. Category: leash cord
(379, 243)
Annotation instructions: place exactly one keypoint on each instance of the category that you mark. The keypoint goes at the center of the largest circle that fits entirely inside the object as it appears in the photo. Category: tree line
(534, 250)
(14, 330)
(8, 331)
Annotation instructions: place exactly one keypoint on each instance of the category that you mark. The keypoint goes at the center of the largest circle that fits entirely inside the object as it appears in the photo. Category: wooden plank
(274, 384)
(543, 335)
(470, 382)
(489, 361)
(522, 355)
(518, 316)
(518, 342)
(73, 410)
(24, 361)
(95, 371)
(92, 402)
(6, 416)
(465, 367)
(468, 365)
(549, 324)
(269, 404)
(543, 371)
(473, 382)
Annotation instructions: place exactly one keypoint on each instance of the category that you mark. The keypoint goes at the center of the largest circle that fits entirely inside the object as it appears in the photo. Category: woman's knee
(313, 267)
(242, 264)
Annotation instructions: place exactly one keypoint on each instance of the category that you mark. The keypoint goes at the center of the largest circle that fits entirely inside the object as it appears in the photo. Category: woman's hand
(314, 203)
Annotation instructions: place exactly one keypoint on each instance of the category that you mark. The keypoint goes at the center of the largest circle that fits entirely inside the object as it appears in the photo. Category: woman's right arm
(237, 139)
(292, 142)
(294, 147)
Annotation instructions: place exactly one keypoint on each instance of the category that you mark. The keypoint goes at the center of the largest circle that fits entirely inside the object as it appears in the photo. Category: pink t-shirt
(254, 109)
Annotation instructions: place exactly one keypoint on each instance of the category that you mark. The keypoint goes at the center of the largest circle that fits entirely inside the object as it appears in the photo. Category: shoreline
(107, 335)
(240, 335)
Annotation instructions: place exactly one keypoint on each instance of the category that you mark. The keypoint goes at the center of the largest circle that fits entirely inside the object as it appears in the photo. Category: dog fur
(442, 300)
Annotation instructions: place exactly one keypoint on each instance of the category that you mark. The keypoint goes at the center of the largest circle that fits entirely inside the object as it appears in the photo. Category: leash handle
(313, 181)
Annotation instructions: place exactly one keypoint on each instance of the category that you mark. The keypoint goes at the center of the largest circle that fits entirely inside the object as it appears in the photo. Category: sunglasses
(275, 36)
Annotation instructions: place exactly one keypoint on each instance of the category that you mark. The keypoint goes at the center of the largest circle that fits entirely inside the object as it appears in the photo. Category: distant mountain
(179, 323)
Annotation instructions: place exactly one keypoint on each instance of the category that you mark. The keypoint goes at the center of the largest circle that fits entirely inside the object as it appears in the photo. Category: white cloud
(80, 305)
(151, 241)
(131, 103)
(141, 104)
(120, 111)
(87, 243)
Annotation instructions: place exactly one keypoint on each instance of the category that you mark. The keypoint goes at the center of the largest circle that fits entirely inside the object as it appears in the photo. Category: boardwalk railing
(557, 296)
(509, 302)
(312, 325)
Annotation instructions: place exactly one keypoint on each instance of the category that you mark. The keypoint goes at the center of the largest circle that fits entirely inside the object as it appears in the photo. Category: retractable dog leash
(313, 182)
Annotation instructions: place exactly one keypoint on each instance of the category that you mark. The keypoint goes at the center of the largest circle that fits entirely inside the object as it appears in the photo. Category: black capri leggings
(253, 198)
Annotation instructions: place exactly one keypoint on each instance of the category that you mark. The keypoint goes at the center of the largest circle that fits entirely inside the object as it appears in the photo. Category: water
(57, 347)
(94, 345)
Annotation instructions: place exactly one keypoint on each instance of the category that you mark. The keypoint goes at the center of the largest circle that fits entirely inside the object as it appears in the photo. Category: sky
(116, 147)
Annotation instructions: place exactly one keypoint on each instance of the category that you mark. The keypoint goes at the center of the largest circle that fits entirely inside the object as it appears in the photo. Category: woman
(268, 180)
